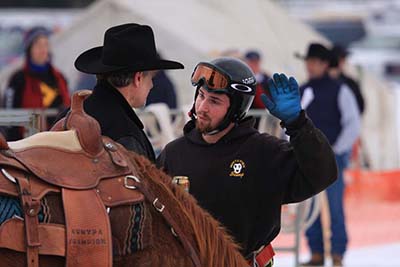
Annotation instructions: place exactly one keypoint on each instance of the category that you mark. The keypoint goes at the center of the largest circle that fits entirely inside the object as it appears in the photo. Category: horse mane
(216, 247)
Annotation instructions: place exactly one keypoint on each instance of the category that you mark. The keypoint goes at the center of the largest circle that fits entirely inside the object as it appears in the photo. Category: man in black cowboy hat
(333, 108)
(125, 66)
(338, 62)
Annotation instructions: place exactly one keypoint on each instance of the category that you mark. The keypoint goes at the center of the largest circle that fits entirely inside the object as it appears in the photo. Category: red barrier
(373, 185)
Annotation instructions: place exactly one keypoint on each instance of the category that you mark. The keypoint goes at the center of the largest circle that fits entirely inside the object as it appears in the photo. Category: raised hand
(284, 102)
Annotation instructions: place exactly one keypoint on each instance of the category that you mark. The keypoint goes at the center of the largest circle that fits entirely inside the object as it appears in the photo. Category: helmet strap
(192, 112)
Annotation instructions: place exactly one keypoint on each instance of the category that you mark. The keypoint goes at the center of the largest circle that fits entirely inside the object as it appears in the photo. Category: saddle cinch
(92, 176)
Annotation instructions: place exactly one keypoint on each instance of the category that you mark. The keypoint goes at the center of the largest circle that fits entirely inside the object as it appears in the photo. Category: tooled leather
(7, 187)
(52, 237)
(114, 193)
(74, 170)
(7, 159)
(3, 143)
(89, 132)
(88, 232)
(66, 168)
(70, 169)
(114, 151)
(88, 129)
(30, 208)
(111, 190)
(38, 188)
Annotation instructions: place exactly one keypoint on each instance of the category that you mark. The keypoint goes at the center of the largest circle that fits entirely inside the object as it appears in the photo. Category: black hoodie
(244, 178)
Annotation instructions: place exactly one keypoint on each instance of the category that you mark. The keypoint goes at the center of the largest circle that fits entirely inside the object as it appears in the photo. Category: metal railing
(33, 120)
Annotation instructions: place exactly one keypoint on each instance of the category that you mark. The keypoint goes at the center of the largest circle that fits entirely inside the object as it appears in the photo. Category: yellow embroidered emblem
(48, 94)
(237, 167)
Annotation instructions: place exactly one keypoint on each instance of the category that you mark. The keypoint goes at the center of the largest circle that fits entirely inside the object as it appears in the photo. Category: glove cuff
(296, 124)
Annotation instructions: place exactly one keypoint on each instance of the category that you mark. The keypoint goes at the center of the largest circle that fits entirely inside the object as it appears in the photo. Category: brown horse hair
(216, 247)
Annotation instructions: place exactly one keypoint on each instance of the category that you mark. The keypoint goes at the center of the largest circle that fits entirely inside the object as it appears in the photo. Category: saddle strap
(88, 229)
(167, 217)
(31, 209)
(52, 237)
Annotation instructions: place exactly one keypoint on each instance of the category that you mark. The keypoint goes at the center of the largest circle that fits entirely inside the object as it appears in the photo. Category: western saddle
(90, 173)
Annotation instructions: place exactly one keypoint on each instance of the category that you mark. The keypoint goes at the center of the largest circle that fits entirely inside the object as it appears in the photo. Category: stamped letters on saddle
(92, 176)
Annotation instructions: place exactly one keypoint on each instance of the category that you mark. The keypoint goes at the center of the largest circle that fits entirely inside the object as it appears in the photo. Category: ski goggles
(215, 79)
(212, 77)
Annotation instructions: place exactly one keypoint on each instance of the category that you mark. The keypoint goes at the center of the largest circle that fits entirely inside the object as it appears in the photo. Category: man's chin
(203, 128)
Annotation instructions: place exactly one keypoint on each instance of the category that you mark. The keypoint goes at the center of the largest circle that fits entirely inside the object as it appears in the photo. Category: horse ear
(87, 128)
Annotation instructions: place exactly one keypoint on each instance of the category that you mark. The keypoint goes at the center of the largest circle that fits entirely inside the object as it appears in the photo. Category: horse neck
(215, 246)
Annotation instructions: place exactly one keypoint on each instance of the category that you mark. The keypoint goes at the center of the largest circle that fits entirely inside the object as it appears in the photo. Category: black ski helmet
(230, 76)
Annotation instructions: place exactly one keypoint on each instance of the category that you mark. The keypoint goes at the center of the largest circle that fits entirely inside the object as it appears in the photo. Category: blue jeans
(338, 227)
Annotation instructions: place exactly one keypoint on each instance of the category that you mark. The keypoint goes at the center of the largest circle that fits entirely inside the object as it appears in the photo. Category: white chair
(181, 118)
(157, 121)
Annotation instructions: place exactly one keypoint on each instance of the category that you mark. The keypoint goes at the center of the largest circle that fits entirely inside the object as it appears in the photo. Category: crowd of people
(241, 176)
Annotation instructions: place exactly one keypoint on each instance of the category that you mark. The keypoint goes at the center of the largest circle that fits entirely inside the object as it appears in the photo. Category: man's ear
(137, 78)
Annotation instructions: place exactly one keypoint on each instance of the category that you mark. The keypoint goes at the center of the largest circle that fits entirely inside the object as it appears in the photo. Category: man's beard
(204, 126)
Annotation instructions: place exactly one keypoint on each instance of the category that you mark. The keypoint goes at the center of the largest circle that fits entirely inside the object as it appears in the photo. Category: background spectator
(333, 108)
(254, 60)
(38, 84)
(163, 91)
(339, 55)
(336, 71)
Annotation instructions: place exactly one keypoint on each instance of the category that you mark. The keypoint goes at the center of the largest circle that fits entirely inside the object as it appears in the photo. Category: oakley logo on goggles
(216, 79)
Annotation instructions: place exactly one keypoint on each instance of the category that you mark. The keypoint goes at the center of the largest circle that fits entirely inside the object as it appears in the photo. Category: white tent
(193, 30)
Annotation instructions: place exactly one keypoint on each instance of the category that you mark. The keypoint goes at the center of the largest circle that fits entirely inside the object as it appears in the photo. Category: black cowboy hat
(129, 47)
(339, 51)
(316, 50)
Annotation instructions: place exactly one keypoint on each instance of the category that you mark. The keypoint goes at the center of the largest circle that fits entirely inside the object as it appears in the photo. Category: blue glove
(285, 98)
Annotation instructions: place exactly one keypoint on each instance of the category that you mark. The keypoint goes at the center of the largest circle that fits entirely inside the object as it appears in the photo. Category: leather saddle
(91, 174)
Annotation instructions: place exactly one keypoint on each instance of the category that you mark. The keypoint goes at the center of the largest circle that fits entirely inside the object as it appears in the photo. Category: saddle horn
(86, 127)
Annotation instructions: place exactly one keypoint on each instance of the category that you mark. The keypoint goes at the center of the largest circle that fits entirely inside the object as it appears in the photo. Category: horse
(81, 199)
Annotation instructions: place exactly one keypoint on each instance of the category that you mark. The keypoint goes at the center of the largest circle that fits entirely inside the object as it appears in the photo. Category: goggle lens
(213, 78)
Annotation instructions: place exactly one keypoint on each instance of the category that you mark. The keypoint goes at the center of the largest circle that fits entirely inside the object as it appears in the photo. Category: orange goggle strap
(212, 77)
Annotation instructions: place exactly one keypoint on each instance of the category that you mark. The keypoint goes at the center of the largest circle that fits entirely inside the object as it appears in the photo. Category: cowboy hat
(316, 50)
(339, 51)
(129, 47)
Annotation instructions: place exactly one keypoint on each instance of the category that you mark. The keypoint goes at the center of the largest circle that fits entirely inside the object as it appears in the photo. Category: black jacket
(244, 178)
(355, 88)
(117, 119)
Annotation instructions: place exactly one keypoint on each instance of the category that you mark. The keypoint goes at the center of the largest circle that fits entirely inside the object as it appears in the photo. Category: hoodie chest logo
(237, 168)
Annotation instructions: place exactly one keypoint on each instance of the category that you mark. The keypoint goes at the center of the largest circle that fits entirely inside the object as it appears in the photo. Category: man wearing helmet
(242, 177)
